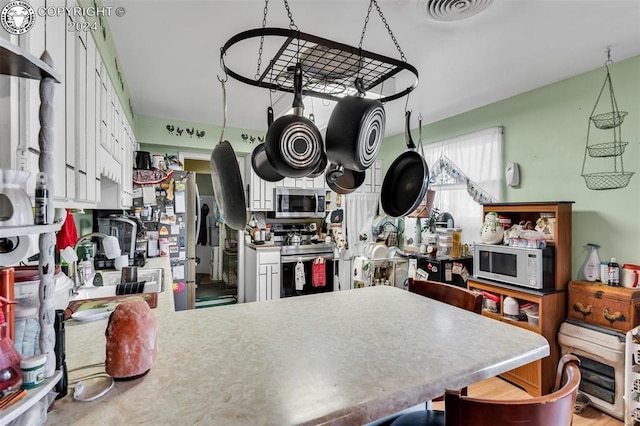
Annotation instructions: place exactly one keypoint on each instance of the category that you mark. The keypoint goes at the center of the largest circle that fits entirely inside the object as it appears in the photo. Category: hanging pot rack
(330, 68)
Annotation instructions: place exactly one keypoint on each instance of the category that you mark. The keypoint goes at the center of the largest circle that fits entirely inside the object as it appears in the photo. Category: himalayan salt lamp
(131, 341)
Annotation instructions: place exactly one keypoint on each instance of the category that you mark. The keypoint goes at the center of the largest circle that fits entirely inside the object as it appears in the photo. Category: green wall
(153, 136)
(545, 131)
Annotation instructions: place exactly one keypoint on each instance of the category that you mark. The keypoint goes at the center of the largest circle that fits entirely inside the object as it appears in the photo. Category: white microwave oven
(521, 266)
(298, 202)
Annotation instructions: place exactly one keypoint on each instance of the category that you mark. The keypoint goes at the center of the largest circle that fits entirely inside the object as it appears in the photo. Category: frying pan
(293, 143)
(226, 178)
(407, 179)
(259, 160)
(355, 130)
(343, 181)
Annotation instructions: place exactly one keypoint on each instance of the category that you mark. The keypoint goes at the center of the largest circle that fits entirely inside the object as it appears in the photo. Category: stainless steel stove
(310, 251)
(307, 248)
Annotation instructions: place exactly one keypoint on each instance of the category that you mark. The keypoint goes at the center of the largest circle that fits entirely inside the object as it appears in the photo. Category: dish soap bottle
(592, 267)
(10, 373)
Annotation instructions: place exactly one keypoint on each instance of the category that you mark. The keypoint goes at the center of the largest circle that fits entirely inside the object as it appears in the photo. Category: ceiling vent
(451, 10)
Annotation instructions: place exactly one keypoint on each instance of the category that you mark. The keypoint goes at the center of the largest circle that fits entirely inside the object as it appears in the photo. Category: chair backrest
(555, 408)
(449, 294)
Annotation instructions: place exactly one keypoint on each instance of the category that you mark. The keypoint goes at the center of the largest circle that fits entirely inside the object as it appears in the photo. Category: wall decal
(177, 131)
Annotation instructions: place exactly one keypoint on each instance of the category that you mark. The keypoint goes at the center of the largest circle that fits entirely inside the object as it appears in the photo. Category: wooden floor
(497, 388)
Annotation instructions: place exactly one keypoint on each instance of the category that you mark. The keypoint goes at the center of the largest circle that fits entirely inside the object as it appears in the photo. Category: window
(474, 161)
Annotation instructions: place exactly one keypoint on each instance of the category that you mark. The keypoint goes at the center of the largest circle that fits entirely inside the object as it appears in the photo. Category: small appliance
(521, 266)
(124, 229)
(298, 202)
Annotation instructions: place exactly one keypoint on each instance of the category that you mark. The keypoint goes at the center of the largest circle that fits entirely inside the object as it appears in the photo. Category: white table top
(354, 356)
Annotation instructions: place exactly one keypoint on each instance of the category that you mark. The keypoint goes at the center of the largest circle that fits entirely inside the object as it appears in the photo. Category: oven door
(312, 283)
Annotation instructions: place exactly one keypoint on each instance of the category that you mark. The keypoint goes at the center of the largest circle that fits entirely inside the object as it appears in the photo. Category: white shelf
(33, 395)
(14, 231)
(15, 61)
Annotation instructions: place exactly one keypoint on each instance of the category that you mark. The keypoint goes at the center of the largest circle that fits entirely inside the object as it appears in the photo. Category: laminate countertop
(346, 357)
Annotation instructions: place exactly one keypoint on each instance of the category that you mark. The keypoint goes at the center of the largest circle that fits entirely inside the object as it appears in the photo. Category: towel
(68, 234)
(299, 274)
(318, 272)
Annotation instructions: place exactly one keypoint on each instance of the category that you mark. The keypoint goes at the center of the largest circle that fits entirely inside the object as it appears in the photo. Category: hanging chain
(292, 25)
(264, 24)
(386, 25)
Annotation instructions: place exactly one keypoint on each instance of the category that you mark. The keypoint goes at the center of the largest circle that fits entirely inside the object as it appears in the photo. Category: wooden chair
(449, 294)
(555, 408)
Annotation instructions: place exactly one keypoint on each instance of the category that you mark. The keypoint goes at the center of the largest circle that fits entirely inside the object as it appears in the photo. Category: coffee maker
(124, 229)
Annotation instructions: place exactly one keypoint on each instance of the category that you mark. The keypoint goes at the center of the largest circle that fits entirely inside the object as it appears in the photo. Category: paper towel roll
(13, 249)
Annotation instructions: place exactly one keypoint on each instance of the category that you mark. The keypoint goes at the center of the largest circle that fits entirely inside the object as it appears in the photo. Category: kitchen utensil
(406, 182)
(259, 161)
(293, 143)
(343, 181)
(15, 204)
(355, 130)
(322, 165)
(226, 178)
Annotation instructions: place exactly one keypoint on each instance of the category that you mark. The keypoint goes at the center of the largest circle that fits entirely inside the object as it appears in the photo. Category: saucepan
(407, 180)
(293, 142)
(355, 130)
(343, 181)
(259, 161)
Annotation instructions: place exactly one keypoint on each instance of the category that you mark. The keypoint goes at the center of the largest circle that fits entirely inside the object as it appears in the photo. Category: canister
(33, 370)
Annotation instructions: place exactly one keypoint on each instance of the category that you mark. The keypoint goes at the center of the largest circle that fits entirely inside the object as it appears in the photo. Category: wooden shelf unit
(537, 377)
(562, 210)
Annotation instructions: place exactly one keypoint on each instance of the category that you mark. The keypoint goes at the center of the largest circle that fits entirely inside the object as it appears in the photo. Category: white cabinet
(261, 197)
(303, 182)
(373, 179)
(262, 274)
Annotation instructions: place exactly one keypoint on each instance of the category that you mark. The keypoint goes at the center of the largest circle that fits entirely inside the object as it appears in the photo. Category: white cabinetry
(262, 274)
(88, 116)
(261, 196)
(373, 179)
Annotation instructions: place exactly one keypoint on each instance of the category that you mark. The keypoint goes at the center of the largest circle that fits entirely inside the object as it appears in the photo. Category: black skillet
(407, 180)
(226, 178)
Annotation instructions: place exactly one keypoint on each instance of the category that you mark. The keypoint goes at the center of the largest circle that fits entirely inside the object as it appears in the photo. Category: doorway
(217, 274)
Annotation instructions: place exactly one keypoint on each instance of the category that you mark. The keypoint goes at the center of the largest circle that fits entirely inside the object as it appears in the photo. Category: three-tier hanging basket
(612, 149)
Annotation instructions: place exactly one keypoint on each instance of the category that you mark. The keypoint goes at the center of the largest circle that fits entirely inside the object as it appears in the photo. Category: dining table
(345, 357)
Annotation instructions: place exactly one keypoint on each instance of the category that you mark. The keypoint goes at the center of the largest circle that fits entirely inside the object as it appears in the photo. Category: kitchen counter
(351, 357)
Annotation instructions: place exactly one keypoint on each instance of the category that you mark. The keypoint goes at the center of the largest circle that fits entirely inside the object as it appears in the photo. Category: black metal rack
(330, 68)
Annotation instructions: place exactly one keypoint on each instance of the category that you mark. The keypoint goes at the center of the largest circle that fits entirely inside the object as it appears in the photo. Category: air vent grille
(452, 10)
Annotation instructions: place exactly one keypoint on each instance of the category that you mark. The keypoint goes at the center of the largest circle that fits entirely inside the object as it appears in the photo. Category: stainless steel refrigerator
(178, 217)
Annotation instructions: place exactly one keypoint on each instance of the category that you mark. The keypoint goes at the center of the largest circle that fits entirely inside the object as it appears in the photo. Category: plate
(91, 314)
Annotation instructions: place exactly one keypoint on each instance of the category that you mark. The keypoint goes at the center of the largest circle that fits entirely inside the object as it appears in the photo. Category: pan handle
(269, 116)
(298, 106)
(407, 131)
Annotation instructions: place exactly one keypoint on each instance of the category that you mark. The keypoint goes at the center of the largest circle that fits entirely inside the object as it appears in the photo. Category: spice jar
(432, 245)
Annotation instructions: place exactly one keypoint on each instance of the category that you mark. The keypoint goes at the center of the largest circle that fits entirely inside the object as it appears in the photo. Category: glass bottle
(10, 373)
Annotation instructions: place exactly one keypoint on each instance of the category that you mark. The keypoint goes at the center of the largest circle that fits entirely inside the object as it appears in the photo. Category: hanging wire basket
(614, 150)
(607, 180)
(607, 149)
(608, 120)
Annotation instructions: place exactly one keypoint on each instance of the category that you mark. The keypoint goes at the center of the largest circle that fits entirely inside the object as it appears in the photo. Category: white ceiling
(169, 51)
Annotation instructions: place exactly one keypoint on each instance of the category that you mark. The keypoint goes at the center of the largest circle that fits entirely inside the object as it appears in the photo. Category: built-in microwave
(298, 202)
(521, 266)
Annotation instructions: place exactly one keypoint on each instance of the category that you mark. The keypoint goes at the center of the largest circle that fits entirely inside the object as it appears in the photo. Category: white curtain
(479, 156)
(360, 211)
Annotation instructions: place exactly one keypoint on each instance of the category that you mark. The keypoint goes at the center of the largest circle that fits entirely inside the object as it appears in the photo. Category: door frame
(190, 155)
